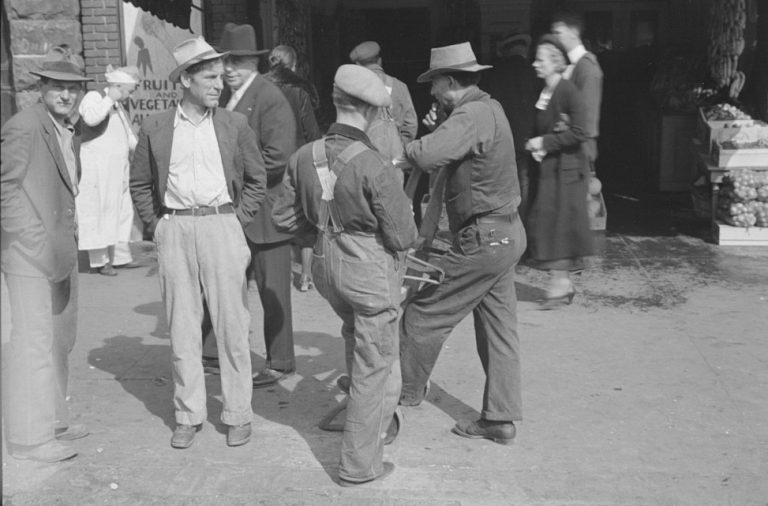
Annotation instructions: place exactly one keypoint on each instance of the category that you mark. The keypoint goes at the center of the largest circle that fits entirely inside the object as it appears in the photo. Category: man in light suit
(585, 72)
(197, 178)
(38, 185)
(270, 116)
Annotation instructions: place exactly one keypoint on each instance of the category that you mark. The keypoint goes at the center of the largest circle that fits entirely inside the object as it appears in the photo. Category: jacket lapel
(225, 136)
(52, 141)
(162, 143)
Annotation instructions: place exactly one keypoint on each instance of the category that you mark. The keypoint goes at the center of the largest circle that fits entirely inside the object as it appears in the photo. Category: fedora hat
(240, 40)
(455, 58)
(189, 52)
(513, 37)
(59, 66)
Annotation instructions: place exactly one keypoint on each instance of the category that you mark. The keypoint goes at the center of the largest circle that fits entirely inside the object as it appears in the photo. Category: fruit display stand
(723, 233)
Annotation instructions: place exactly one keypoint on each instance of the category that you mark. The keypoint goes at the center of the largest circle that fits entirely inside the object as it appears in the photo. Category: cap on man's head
(363, 84)
(365, 51)
(61, 65)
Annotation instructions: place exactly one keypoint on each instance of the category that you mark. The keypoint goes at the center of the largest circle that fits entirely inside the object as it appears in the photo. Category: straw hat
(189, 52)
(455, 58)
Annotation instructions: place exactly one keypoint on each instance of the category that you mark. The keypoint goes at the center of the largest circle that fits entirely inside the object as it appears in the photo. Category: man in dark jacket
(38, 185)
(271, 118)
(473, 154)
(343, 189)
(585, 72)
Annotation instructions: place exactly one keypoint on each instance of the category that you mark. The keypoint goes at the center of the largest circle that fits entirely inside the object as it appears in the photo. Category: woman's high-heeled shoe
(556, 302)
(305, 284)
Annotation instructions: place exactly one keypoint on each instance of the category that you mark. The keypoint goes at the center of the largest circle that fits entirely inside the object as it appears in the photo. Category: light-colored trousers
(362, 281)
(206, 255)
(36, 359)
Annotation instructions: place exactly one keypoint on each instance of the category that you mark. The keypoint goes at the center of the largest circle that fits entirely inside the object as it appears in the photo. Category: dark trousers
(272, 271)
(480, 278)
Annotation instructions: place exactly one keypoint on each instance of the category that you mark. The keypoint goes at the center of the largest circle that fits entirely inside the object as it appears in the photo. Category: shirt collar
(59, 126)
(472, 95)
(242, 89)
(576, 53)
(351, 132)
(182, 116)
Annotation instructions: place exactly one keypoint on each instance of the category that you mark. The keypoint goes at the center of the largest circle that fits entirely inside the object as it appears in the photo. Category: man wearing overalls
(343, 189)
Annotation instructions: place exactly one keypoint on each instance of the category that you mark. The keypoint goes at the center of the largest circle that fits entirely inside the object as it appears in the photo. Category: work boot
(499, 432)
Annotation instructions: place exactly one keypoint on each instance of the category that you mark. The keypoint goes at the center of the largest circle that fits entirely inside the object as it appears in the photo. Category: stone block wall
(101, 38)
(35, 27)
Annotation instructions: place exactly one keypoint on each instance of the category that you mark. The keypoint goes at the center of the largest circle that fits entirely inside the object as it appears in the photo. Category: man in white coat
(104, 207)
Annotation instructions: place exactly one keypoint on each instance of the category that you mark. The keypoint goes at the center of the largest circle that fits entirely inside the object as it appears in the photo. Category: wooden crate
(707, 130)
(747, 157)
(728, 235)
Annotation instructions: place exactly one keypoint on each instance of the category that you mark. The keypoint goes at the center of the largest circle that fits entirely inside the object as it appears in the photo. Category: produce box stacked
(732, 137)
(744, 199)
(718, 118)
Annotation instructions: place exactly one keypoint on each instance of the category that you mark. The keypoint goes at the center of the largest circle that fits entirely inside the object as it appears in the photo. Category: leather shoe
(411, 401)
(238, 435)
(502, 433)
(388, 468)
(74, 431)
(268, 377)
(184, 435)
(107, 270)
(343, 383)
(50, 452)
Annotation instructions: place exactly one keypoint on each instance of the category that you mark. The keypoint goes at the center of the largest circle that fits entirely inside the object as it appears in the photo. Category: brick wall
(101, 37)
(35, 27)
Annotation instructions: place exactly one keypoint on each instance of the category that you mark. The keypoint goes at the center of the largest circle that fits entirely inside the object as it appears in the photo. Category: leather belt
(202, 210)
(493, 218)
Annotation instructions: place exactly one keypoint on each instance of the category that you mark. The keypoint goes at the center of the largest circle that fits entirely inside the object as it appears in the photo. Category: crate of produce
(726, 155)
(730, 235)
(713, 119)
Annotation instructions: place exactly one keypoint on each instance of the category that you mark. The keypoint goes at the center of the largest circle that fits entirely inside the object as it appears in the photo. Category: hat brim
(246, 52)
(61, 76)
(210, 55)
(429, 74)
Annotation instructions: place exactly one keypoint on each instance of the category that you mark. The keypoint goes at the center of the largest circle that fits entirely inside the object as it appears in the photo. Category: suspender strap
(328, 176)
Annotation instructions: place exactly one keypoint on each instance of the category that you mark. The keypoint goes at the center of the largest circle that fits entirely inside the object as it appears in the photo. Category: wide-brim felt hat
(240, 40)
(552, 40)
(190, 52)
(58, 65)
(514, 37)
(455, 58)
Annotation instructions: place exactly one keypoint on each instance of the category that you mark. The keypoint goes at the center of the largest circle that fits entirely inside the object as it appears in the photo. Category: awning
(175, 12)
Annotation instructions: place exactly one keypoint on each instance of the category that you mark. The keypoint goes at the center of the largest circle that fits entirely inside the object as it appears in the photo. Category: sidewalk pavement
(650, 389)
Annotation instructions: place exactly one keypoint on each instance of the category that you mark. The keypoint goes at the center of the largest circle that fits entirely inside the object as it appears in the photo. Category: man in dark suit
(585, 72)
(270, 116)
(197, 178)
(38, 184)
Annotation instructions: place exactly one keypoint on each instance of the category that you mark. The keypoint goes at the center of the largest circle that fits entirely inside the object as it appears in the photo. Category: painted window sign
(149, 43)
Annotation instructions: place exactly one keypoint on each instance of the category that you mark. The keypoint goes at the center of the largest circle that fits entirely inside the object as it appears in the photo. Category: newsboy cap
(363, 84)
(365, 51)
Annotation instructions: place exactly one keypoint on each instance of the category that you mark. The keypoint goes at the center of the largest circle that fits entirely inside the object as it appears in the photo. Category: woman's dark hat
(553, 41)
(240, 40)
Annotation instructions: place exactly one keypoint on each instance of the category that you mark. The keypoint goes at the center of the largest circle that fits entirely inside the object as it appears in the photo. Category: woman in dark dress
(558, 223)
(303, 99)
